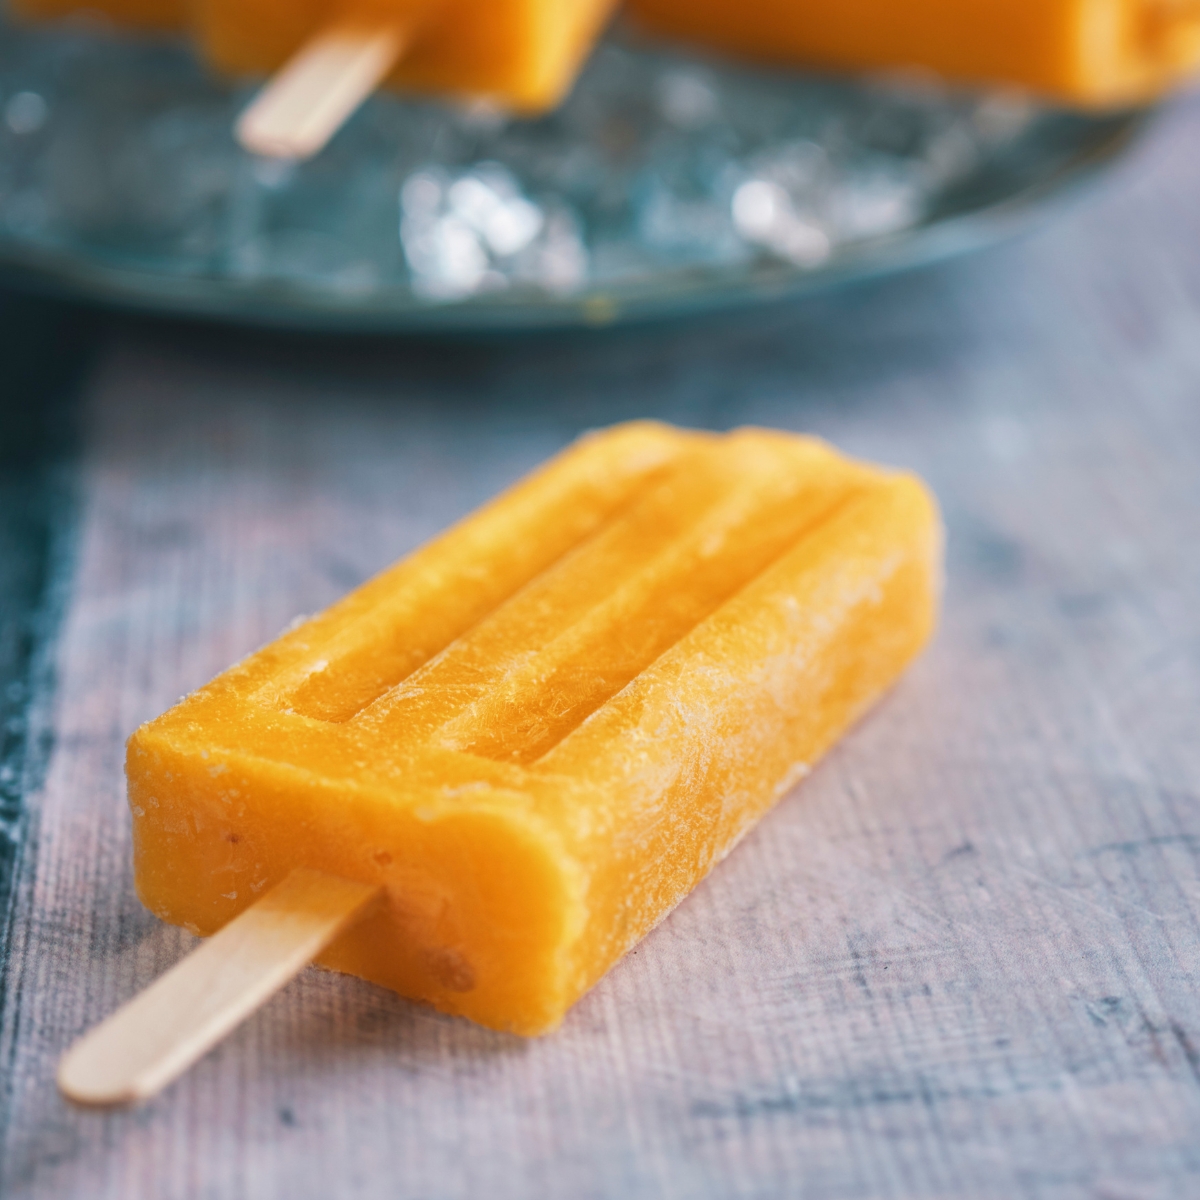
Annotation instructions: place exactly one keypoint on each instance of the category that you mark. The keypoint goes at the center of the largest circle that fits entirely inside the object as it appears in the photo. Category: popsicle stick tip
(156, 1036)
(75, 1079)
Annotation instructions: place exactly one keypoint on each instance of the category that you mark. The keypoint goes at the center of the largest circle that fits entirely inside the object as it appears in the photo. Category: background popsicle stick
(310, 99)
(154, 1038)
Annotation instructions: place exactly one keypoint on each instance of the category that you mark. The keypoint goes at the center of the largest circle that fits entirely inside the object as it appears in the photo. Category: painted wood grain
(962, 960)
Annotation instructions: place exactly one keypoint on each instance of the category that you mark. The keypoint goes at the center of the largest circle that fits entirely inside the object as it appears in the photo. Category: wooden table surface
(962, 960)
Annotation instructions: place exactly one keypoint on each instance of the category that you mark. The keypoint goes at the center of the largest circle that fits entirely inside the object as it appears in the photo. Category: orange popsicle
(329, 55)
(539, 732)
(1090, 52)
(523, 54)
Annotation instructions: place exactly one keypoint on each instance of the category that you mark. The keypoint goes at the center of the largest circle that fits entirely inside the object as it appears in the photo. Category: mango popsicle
(523, 54)
(540, 731)
(1092, 52)
(330, 55)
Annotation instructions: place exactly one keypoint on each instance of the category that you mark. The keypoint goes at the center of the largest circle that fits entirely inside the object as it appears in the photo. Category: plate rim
(690, 291)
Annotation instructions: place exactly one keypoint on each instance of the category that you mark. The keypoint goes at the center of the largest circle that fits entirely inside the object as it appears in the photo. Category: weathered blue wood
(43, 348)
(961, 960)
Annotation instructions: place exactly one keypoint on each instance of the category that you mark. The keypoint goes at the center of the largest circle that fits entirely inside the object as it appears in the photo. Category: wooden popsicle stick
(158, 1034)
(310, 99)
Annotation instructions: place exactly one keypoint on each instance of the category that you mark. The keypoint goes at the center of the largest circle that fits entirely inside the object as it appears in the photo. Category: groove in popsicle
(409, 615)
(542, 662)
(582, 669)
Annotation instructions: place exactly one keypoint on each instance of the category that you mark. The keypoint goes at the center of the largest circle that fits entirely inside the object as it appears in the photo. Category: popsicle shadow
(328, 1024)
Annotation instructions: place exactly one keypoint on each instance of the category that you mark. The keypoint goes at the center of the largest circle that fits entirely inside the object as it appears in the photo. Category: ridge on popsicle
(487, 773)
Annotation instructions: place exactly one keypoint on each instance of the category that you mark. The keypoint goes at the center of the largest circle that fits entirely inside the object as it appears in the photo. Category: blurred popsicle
(522, 55)
(329, 55)
(1095, 53)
